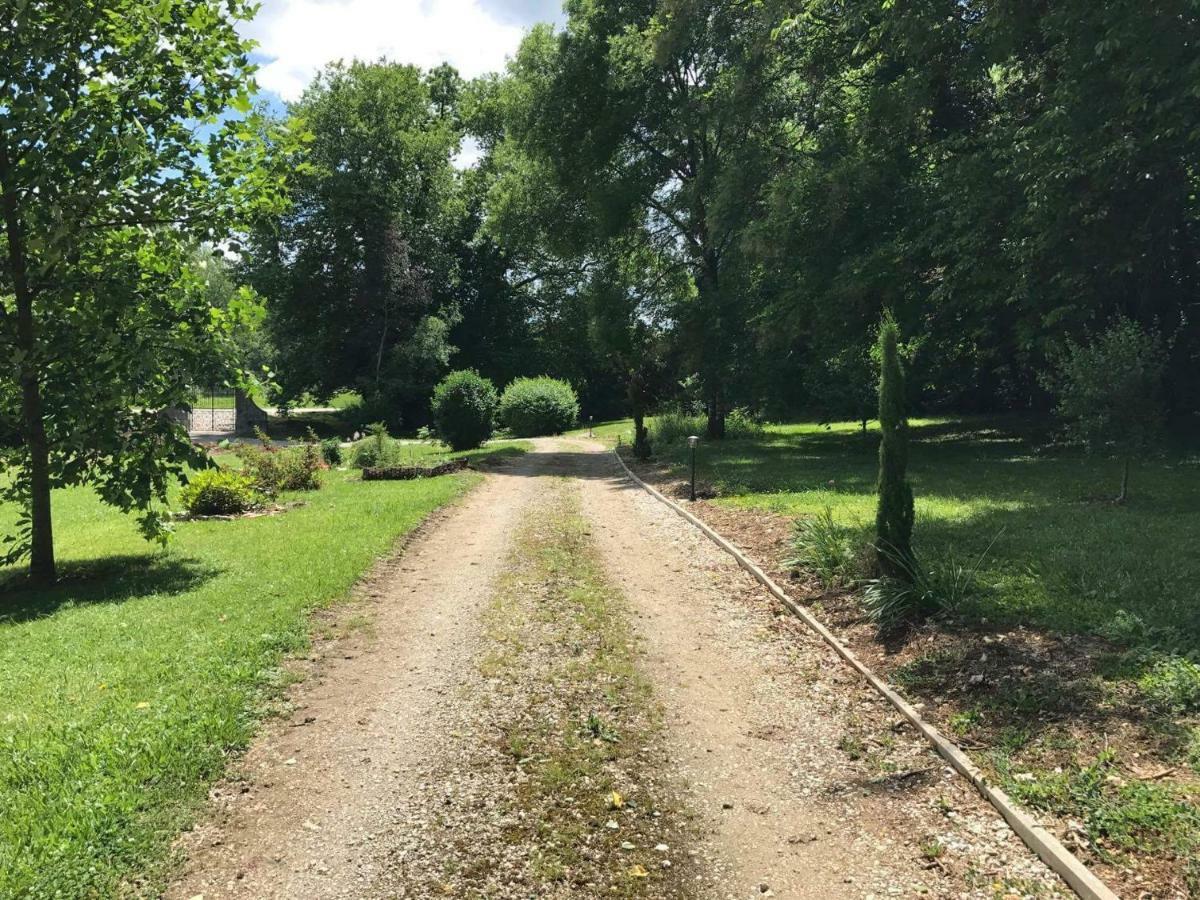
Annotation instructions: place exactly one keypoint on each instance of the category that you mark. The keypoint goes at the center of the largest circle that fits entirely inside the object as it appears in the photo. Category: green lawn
(125, 687)
(1060, 555)
(608, 432)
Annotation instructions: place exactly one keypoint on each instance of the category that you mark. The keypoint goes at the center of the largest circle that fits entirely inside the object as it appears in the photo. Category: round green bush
(464, 409)
(536, 406)
(219, 492)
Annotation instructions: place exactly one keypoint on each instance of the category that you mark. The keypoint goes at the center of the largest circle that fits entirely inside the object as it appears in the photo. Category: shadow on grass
(112, 579)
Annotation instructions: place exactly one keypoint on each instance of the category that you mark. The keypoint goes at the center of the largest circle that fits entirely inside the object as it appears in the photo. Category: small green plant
(274, 470)
(464, 409)
(538, 406)
(919, 590)
(599, 729)
(219, 492)
(1128, 815)
(932, 849)
(374, 450)
(1173, 685)
(826, 548)
(852, 745)
(331, 452)
(963, 723)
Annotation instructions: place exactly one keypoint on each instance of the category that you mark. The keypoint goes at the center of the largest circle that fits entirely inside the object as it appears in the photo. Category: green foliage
(1130, 572)
(1125, 815)
(360, 271)
(845, 385)
(104, 314)
(1109, 390)
(464, 409)
(275, 470)
(376, 449)
(894, 516)
(538, 406)
(1173, 685)
(331, 451)
(915, 590)
(675, 426)
(219, 492)
(828, 549)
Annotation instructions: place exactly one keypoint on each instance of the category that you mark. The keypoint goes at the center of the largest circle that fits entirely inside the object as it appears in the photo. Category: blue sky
(298, 37)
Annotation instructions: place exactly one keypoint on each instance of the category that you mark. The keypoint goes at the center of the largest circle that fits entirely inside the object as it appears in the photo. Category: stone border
(1081, 879)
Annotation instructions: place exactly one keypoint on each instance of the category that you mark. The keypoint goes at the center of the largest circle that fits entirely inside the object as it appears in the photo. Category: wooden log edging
(407, 473)
(1065, 864)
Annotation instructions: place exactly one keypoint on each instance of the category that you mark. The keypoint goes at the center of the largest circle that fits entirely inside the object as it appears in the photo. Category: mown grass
(1058, 554)
(126, 686)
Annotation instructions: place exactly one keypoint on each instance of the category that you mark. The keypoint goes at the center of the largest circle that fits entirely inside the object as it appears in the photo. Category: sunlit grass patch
(126, 686)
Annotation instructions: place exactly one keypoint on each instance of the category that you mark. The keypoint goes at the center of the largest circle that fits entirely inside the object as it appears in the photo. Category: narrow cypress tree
(894, 518)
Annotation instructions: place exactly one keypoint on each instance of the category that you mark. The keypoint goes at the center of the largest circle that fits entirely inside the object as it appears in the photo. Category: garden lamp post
(693, 440)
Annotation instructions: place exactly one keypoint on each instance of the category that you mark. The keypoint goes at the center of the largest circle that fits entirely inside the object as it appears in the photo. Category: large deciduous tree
(360, 273)
(115, 162)
(639, 111)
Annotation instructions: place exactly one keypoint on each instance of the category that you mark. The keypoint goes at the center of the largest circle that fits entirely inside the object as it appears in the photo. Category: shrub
(537, 406)
(274, 470)
(825, 548)
(674, 426)
(376, 449)
(464, 409)
(331, 451)
(913, 591)
(742, 424)
(219, 492)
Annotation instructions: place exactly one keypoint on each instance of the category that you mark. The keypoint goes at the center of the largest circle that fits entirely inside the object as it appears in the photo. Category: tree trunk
(1124, 495)
(33, 426)
(716, 418)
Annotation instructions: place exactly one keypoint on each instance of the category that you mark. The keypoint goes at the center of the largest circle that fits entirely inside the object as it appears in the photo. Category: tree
(1109, 391)
(114, 163)
(360, 273)
(638, 111)
(894, 516)
(844, 384)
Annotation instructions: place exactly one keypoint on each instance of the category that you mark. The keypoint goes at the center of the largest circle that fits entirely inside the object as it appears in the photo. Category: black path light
(693, 440)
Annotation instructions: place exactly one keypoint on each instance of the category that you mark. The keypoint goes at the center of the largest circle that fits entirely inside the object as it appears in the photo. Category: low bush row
(466, 408)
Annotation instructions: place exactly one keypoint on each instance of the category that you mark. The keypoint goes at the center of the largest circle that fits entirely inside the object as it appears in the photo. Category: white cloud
(298, 37)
